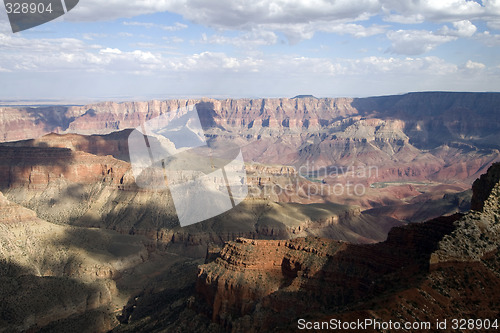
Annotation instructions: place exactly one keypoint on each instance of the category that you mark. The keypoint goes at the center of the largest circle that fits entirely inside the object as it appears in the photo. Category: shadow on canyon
(354, 277)
(17, 163)
(30, 302)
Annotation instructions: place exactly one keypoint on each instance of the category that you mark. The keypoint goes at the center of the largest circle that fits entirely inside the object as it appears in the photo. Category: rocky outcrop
(324, 272)
(482, 188)
(261, 285)
(478, 234)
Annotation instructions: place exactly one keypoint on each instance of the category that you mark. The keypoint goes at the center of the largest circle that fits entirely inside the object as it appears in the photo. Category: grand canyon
(380, 207)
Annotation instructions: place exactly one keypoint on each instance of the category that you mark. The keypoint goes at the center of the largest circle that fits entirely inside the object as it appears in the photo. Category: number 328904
(25, 8)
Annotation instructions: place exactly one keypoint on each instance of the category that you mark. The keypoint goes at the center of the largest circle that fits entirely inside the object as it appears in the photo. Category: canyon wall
(437, 136)
(260, 285)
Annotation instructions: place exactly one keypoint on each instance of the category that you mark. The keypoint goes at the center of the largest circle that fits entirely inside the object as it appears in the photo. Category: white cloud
(62, 54)
(43, 45)
(5, 27)
(244, 15)
(433, 10)
(148, 58)
(97, 10)
(462, 29)
(494, 24)
(414, 42)
(110, 51)
(411, 12)
(397, 66)
(298, 18)
(301, 19)
(240, 14)
(355, 30)
(471, 65)
(488, 38)
(229, 13)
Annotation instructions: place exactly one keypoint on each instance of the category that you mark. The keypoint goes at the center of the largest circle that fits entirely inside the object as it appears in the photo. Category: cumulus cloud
(405, 66)
(355, 30)
(60, 54)
(230, 13)
(116, 69)
(437, 11)
(414, 42)
(488, 38)
(244, 15)
(4, 26)
(8, 41)
(110, 51)
(210, 61)
(414, 12)
(63, 54)
(463, 28)
(241, 14)
(494, 24)
(96, 10)
(471, 65)
(299, 19)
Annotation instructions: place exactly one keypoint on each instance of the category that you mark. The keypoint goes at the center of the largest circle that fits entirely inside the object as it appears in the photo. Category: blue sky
(124, 50)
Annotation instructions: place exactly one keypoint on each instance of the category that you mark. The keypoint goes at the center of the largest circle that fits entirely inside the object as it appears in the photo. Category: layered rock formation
(59, 178)
(27, 123)
(444, 268)
(437, 136)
